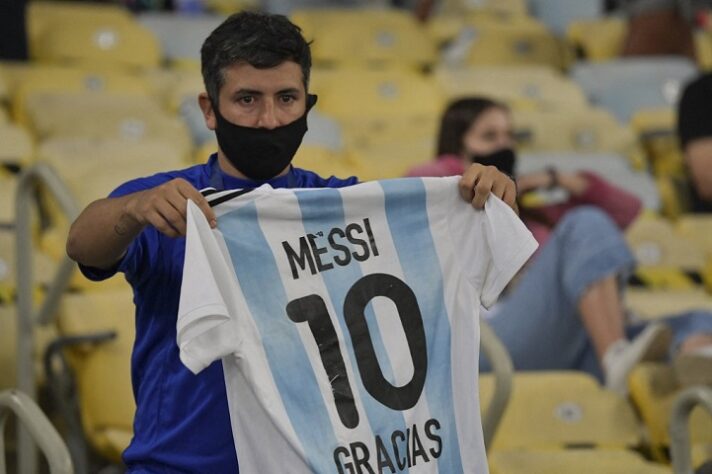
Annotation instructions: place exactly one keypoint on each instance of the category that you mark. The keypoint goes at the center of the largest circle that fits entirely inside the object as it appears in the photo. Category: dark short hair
(694, 110)
(458, 118)
(260, 39)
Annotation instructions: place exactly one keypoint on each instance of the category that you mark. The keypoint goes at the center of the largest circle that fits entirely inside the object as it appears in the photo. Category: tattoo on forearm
(120, 228)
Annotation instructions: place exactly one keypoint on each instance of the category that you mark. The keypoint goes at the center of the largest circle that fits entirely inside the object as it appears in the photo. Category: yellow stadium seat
(390, 159)
(579, 461)
(656, 303)
(43, 335)
(43, 266)
(656, 245)
(379, 97)
(697, 228)
(597, 39)
(483, 42)
(47, 80)
(365, 37)
(703, 49)
(8, 185)
(97, 44)
(326, 162)
(4, 86)
(653, 388)
(557, 410)
(654, 121)
(44, 14)
(92, 168)
(102, 370)
(582, 130)
(521, 87)
(104, 116)
(496, 8)
(17, 145)
(228, 7)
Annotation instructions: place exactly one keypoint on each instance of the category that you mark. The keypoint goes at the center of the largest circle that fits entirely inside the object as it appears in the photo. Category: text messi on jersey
(320, 256)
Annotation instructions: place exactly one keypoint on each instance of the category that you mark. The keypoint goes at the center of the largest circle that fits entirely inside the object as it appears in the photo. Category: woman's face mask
(261, 153)
(504, 160)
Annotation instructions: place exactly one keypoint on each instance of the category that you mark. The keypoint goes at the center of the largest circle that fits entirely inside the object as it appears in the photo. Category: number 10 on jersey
(311, 309)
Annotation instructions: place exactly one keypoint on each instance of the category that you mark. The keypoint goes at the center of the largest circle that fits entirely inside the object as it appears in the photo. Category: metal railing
(30, 178)
(503, 371)
(38, 426)
(679, 429)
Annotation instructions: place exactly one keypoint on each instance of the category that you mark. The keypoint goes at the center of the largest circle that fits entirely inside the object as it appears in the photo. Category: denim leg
(538, 321)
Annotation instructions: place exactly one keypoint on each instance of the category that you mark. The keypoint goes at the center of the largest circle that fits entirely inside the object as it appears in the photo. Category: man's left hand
(479, 181)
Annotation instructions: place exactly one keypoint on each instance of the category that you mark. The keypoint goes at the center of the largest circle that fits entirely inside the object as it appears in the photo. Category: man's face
(259, 98)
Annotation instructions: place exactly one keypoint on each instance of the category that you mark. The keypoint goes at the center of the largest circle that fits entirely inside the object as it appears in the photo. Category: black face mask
(503, 159)
(261, 153)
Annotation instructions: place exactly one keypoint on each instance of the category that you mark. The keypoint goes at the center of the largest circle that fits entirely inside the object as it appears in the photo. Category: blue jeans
(538, 320)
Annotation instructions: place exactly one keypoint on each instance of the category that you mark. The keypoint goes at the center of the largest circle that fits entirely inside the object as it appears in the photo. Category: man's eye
(287, 99)
(246, 100)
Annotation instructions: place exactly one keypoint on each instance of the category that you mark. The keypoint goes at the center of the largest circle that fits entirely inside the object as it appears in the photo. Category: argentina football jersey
(346, 321)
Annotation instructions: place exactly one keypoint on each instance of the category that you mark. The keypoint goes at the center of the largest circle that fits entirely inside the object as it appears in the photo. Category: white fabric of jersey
(347, 321)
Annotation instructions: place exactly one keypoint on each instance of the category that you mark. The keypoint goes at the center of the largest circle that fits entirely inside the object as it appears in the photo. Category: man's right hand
(164, 207)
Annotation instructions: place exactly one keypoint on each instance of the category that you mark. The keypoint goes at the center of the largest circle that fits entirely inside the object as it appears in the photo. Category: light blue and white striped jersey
(347, 322)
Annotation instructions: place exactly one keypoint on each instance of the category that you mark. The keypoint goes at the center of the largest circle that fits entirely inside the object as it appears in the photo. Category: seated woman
(564, 311)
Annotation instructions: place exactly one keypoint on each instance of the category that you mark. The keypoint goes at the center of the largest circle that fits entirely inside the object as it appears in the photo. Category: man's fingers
(189, 192)
(161, 224)
(172, 216)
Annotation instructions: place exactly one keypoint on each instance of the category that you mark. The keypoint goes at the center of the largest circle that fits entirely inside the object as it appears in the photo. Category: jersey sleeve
(206, 329)
(493, 244)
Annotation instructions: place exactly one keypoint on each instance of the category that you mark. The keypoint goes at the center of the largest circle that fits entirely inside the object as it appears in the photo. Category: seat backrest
(102, 370)
(374, 37)
(125, 45)
(522, 87)
(554, 410)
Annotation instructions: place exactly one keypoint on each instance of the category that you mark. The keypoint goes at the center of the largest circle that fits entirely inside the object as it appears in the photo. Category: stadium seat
(697, 228)
(521, 87)
(43, 268)
(494, 8)
(486, 42)
(589, 461)
(372, 37)
(92, 168)
(4, 87)
(703, 49)
(17, 145)
(597, 40)
(612, 167)
(8, 184)
(649, 304)
(655, 243)
(581, 130)
(557, 15)
(41, 15)
(102, 369)
(653, 388)
(43, 335)
(326, 162)
(121, 45)
(379, 97)
(45, 80)
(104, 116)
(559, 410)
(180, 36)
(627, 85)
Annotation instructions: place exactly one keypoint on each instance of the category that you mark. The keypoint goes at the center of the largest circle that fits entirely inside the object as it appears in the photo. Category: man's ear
(207, 107)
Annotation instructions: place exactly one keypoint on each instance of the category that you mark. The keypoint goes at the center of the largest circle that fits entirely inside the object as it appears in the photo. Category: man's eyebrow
(289, 90)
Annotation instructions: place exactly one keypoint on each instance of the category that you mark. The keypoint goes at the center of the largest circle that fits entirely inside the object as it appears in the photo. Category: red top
(620, 205)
